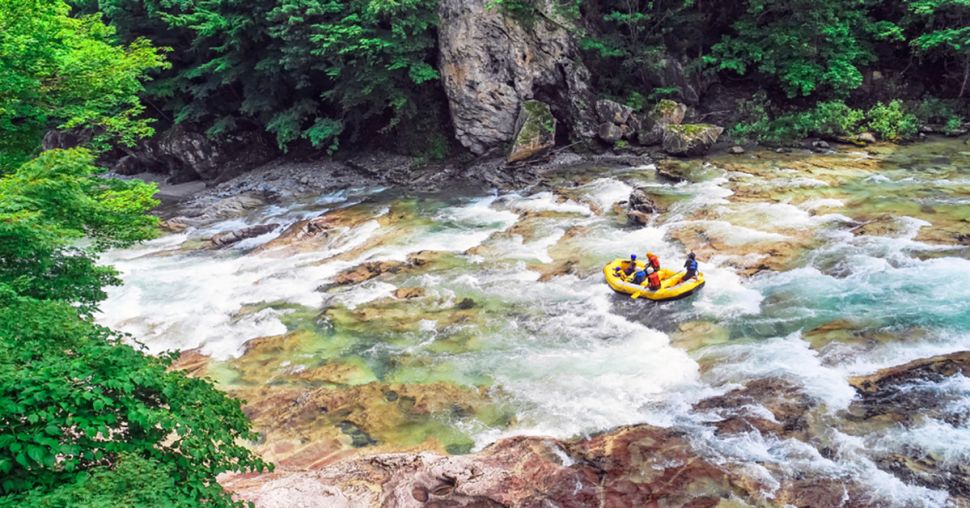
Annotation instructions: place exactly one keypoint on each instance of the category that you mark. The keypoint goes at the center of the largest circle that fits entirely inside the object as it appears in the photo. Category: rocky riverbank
(639, 465)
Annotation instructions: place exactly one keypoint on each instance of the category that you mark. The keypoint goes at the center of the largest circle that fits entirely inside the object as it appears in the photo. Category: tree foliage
(58, 70)
(300, 69)
(806, 45)
(78, 402)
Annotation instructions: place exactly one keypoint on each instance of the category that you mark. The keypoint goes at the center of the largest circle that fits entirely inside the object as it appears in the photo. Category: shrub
(831, 119)
(891, 123)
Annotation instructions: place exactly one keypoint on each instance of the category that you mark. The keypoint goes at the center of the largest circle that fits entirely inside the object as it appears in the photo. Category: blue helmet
(633, 257)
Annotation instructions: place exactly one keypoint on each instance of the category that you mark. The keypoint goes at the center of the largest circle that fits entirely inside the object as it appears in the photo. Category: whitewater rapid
(565, 353)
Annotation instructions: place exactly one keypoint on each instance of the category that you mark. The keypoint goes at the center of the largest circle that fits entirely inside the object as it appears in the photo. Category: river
(445, 321)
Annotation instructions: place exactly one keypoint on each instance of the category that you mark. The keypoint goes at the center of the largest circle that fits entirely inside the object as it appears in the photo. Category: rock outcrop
(640, 206)
(907, 397)
(491, 63)
(185, 154)
(630, 466)
(535, 131)
(690, 139)
(227, 238)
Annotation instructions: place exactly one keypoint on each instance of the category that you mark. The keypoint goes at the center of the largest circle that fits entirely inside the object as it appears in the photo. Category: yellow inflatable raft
(671, 285)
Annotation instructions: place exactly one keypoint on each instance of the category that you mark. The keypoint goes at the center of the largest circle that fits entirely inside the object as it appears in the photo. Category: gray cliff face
(491, 63)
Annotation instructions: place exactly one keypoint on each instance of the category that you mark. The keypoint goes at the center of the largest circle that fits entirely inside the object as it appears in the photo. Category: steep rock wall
(490, 63)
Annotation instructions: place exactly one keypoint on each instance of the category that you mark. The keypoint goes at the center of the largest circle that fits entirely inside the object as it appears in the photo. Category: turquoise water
(515, 315)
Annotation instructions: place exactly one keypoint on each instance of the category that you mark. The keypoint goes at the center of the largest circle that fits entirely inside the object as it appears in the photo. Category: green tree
(300, 69)
(640, 36)
(807, 46)
(78, 402)
(66, 72)
(943, 31)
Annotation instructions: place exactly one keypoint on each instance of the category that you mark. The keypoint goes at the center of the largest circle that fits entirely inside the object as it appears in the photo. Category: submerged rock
(409, 293)
(535, 132)
(690, 139)
(787, 409)
(367, 271)
(227, 238)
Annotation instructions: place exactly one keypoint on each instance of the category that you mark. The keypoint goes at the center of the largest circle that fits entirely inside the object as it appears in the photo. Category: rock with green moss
(690, 139)
(535, 131)
(651, 127)
(668, 112)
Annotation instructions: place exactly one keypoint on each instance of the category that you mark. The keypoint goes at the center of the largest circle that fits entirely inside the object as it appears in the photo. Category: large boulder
(612, 111)
(640, 206)
(668, 112)
(535, 131)
(651, 127)
(690, 139)
(491, 63)
(609, 132)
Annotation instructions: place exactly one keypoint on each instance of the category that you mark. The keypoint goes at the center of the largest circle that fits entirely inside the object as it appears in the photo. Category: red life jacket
(653, 261)
(654, 280)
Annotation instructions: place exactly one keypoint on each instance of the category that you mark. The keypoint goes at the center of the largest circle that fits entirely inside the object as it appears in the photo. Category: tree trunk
(966, 74)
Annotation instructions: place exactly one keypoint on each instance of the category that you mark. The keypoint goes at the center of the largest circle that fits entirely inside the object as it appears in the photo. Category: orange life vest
(654, 280)
(654, 261)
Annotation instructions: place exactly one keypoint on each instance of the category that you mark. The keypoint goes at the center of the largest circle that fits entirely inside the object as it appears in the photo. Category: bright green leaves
(806, 45)
(74, 397)
(71, 390)
(47, 206)
(67, 72)
(828, 119)
(891, 122)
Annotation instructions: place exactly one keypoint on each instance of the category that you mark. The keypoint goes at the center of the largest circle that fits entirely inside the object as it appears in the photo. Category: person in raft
(631, 267)
(690, 267)
(649, 273)
(653, 261)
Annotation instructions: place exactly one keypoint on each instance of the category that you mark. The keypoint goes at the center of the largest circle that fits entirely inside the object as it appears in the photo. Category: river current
(819, 267)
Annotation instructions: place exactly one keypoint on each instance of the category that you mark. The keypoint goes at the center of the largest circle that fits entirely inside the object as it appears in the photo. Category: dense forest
(85, 414)
(322, 72)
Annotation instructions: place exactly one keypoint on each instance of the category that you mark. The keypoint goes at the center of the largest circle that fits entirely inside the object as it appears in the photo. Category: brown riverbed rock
(367, 271)
(629, 466)
(193, 362)
(308, 427)
(409, 293)
(788, 405)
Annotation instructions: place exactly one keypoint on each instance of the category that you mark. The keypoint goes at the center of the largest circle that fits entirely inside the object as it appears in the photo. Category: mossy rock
(668, 112)
(690, 139)
(535, 131)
